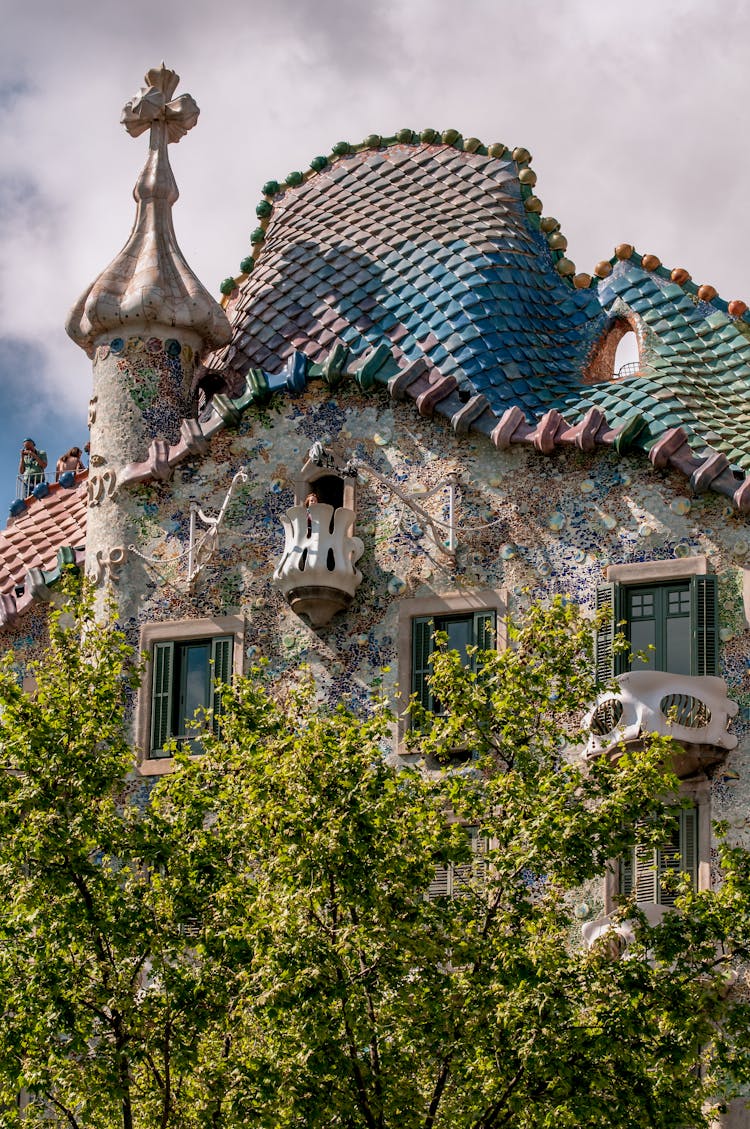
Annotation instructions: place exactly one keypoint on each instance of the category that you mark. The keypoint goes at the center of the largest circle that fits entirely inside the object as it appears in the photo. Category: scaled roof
(439, 250)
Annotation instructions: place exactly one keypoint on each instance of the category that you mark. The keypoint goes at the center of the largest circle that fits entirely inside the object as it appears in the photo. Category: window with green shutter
(645, 870)
(184, 680)
(472, 629)
(671, 626)
(459, 879)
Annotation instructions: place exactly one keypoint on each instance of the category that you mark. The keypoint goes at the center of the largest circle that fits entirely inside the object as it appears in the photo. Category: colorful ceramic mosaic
(407, 313)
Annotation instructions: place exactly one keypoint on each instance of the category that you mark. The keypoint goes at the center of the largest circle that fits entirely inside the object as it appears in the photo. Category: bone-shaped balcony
(317, 573)
(694, 710)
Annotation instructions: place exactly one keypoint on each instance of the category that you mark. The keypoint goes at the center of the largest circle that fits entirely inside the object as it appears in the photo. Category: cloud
(633, 117)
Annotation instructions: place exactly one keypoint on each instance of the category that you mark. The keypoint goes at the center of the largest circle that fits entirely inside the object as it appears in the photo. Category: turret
(144, 322)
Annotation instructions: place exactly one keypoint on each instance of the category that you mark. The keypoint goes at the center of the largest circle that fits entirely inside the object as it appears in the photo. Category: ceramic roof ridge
(736, 308)
(449, 139)
(437, 393)
(23, 506)
(433, 393)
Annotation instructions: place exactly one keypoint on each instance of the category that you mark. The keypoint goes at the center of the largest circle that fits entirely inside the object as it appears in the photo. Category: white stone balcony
(317, 573)
(693, 710)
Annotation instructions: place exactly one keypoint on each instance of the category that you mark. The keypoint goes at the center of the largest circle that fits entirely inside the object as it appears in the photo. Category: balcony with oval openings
(317, 573)
(667, 678)
(693, 710)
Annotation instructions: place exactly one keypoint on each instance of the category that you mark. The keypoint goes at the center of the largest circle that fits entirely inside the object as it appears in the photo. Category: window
(671, 620)
(187, 659)
(458, 879)
(468, 618)
(474, 629)
(184, 678)
(646, 870)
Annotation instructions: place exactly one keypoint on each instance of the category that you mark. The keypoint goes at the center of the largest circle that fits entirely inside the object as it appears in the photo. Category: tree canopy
(300, 929)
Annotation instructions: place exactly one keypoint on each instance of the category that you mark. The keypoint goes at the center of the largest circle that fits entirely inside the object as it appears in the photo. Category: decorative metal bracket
(202, 547)
(318, 454)
(202, 544)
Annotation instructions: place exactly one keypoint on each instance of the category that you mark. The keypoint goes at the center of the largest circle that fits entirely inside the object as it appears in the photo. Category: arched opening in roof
(627, 356)
(616, 355)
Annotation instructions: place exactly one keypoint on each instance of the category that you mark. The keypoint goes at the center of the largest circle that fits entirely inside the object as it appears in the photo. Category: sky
(634, 114)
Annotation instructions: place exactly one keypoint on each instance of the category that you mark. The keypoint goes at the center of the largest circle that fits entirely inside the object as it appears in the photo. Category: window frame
(177, 633)
(698, 792)
(704, 612)
(458, 880)
(651, 865)
(422, 607)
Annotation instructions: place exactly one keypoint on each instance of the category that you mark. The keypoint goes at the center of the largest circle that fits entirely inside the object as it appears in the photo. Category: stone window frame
(698, 791)
(450, 603)
(177, 631)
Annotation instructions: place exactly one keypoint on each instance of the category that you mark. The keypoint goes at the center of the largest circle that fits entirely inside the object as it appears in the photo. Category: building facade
(403, 414)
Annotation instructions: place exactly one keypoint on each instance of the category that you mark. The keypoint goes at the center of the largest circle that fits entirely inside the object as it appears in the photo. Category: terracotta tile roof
(33, 540)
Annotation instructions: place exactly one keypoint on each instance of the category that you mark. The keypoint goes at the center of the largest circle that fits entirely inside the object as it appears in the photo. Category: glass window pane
(678, 645)
(643, 636)
(459, 636)
(642, 605)
(195, 680)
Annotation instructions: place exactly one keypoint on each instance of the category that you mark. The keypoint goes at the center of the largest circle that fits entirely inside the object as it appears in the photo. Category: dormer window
(616, 355)
(627, 360)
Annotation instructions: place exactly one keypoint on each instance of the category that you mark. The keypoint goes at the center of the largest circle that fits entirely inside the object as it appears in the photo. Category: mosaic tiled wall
(531, 524)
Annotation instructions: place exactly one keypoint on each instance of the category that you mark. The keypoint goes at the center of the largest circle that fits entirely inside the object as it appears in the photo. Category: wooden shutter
(440, 886)
(704, 622)
(221, 671)
(680, 855)
(607, 597)
(689, 843)
(626, 874)
(485, 631)
(669, 864)
(646, 869)
(422, 629)
(161, 696)
(646, 873)
(471, 874)
(479, 846)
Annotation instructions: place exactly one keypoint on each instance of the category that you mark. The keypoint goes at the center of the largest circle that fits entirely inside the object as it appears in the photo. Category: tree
(366, 1004)
(102, 1003)
(254, 945)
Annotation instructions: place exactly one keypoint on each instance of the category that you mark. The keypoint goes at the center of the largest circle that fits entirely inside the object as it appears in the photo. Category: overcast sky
(635, 113)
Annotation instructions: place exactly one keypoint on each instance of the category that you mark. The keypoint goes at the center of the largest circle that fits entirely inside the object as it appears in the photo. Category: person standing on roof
(71, 460)
(32, 465)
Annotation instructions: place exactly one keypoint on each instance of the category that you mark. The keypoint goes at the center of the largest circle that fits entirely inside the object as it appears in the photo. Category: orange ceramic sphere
(680, 276)
(650, 262)
(707, 293)
(737, 308)
(624, 250)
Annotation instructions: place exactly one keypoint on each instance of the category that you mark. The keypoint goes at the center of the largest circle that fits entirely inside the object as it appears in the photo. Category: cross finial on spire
(149, 283)
(152, 105)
